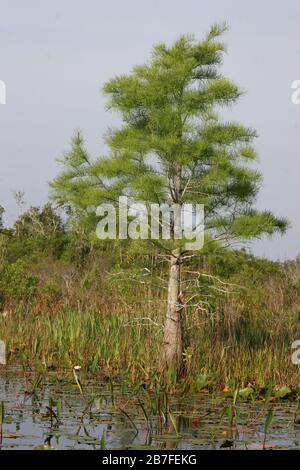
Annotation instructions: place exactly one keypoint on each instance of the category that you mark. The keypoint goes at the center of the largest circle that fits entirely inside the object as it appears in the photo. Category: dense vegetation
(68, 300)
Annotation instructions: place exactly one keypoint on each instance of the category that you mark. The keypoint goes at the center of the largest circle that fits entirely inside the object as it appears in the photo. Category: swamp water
(53, 413)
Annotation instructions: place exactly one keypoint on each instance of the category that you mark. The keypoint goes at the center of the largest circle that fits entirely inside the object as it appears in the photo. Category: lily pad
(283, 392)
(246, 392)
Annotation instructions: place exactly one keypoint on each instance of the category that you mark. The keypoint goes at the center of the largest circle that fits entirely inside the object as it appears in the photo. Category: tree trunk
(172, 346)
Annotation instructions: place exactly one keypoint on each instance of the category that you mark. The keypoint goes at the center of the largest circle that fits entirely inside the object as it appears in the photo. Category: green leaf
(103, 441)
(173, 421)
(269, 420)
(283, 392)
(1, 413)
(246, 392)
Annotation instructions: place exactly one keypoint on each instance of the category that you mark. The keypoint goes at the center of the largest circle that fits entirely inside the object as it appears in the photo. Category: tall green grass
(125, 345)
(112, 327)
(111, 345)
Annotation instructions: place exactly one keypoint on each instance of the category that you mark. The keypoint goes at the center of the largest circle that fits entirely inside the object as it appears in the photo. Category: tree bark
(173, 337)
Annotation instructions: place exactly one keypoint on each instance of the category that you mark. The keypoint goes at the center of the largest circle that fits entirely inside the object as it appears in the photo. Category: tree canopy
(173, 146)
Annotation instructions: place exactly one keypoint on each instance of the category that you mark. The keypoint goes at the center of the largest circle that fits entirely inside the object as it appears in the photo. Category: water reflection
(53, 413)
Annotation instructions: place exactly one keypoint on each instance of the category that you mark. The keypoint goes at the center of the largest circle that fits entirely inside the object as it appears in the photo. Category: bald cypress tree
(173, 147)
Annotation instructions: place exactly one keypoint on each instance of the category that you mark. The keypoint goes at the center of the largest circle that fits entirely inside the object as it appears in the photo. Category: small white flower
(77, 367)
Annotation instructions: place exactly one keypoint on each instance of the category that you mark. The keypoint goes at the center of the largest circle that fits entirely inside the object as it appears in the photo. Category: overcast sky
(55, 57)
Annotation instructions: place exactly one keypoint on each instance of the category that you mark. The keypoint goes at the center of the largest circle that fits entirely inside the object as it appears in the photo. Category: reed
(244, 341)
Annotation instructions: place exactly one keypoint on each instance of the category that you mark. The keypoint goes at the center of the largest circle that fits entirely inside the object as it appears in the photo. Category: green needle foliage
(171, 129)
(173, 147)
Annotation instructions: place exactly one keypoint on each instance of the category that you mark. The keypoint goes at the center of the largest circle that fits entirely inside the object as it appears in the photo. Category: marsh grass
(112, 327)
(118, 344)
